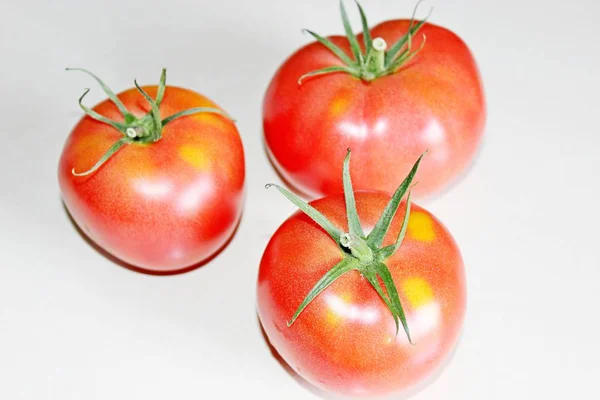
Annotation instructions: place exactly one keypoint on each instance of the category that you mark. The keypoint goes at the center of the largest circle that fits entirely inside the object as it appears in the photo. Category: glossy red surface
(162, 206)
(345, 341)
(435, 102)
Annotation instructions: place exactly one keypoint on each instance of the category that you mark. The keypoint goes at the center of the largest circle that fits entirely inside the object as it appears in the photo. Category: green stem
(378, 60)
(357, 246)
(365, 256)
(143, 130)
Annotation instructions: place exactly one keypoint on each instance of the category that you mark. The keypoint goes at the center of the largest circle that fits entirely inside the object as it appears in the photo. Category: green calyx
(143, 130)
(360, 251)
(377, 60)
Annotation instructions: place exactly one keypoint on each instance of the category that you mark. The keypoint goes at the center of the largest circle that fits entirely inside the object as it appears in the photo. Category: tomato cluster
(360, 291)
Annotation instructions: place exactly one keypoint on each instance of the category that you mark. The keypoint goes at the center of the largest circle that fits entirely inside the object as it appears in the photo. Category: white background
(73, 325)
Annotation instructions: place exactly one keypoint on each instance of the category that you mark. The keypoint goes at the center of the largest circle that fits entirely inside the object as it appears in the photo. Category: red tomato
(434, 101)
(159, 206)
(345, 340)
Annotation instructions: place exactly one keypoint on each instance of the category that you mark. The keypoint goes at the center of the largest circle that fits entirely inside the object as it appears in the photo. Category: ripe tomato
(433, 100)
(160, 203)
(345, 340)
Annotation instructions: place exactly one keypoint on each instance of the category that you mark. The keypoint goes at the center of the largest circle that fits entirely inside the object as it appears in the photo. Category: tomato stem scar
(131, 132)
(379, 48)
(357, 246)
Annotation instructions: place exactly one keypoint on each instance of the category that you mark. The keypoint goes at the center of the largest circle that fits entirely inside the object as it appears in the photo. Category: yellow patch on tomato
(206, 117)
(332, 318)
(194, 156)
(346, 298)
(211, 119)
(417, 291)
(420, 227)
(339, 105)
(143, 165)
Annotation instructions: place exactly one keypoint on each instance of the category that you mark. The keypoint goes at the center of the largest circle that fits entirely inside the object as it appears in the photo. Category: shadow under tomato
(144, 271)
(328, 396)
(300, 380)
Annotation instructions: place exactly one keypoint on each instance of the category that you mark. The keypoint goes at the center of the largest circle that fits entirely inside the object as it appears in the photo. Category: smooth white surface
(73, 325)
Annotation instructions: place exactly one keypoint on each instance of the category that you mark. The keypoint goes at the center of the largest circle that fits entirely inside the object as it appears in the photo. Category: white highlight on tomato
(353, 129)
(380, 127)
(434, 136)
(191, 199)
(152, 188)
(364, 315)
(423, 321)
(434, 132)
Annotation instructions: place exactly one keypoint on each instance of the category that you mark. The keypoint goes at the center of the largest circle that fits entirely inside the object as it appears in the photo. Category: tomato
(164, 201)
(433, 100)
(345, 340)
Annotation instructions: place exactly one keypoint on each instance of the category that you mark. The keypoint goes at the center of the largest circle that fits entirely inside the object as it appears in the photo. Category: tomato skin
(434, 102)
(345, 340)
(162, 206)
